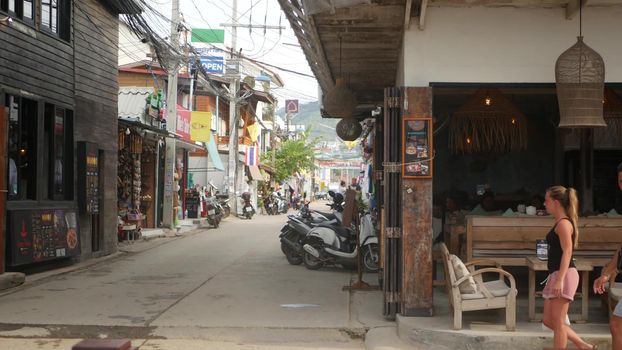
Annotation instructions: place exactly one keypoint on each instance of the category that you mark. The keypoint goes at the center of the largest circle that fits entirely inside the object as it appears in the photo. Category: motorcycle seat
(329, 216)
(340, 231)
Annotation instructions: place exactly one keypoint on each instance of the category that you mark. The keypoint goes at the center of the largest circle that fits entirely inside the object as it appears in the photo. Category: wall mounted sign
(41, 235)
(417, 148)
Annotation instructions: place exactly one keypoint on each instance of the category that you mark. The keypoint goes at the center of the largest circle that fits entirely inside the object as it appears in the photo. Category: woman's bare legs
(554, 317)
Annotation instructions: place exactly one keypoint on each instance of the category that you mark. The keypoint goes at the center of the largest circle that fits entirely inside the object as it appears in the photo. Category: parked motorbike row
(317, 238)
(275, 204)
(217, 206)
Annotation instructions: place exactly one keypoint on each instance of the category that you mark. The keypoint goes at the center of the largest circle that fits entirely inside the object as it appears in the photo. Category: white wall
(504, 44)
(131, 49)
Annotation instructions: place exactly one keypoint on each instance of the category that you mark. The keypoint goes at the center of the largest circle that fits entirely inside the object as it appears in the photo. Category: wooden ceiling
(363, 43)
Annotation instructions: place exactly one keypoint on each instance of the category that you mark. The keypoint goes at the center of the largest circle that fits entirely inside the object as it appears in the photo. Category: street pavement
(228, 288)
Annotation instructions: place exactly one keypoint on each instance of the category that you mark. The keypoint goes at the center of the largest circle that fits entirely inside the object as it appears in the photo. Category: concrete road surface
(229, 287)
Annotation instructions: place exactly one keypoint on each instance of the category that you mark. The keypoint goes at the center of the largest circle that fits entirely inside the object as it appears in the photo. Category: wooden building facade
(58, 92)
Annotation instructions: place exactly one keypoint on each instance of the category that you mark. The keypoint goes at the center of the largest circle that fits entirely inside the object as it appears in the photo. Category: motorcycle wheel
(216, 223)
(311, 262)
(371, 257)
(292, 257)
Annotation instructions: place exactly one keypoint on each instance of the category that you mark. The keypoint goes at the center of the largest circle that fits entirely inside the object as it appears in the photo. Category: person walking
(608, 275)
(563, 280)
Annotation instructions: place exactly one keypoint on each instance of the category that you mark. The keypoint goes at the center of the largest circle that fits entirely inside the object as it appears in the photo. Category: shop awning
(212, 150)
(255, 173)
(187, 145)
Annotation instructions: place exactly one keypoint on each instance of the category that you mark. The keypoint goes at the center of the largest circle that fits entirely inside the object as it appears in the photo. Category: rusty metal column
(416, 210)
(392, 212)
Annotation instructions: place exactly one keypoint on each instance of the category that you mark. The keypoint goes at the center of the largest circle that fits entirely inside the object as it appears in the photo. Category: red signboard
(183, 123)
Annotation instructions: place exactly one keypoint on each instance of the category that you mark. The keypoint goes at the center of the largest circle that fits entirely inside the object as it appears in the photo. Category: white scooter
(327, 244)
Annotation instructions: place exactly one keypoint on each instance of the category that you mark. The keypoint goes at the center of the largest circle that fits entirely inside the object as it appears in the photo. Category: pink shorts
(571, 283)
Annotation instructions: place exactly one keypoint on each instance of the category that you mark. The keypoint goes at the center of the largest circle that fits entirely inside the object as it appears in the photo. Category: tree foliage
(293, 156)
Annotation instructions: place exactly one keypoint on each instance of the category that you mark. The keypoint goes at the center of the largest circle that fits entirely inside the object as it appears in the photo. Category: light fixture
(127, 131)
(487, 127)
(6, 20)
(580, 83)
(340, 102)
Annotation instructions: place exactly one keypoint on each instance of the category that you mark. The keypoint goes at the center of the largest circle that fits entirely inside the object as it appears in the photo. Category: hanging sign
(417, 148)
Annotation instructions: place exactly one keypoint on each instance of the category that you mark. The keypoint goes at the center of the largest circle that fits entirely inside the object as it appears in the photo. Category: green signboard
(214, 36)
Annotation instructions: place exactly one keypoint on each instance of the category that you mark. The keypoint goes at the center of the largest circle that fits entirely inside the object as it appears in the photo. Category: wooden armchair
(468, 292)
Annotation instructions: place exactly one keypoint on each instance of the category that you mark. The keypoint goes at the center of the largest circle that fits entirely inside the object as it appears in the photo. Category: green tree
(293, 156)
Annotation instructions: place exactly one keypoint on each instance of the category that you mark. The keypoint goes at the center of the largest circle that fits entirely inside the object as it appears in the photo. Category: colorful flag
(251, 156)
(253, 131)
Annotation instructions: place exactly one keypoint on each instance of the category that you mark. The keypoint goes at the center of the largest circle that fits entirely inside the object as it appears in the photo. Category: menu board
(88, 177)
(41, 235)
(417, 150)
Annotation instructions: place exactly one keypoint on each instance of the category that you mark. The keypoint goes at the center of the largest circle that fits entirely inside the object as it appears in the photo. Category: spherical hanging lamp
(580, 82)
(349, 129)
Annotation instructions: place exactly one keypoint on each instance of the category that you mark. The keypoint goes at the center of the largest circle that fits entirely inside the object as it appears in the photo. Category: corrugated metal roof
(133, 101)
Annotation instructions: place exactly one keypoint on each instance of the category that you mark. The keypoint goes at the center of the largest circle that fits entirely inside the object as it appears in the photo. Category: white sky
(268, 47)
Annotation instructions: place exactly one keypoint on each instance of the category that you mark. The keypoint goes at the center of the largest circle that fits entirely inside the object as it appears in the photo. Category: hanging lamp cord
(580, 18)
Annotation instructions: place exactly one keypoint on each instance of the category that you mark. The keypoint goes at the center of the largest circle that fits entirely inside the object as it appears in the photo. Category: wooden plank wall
(96, 107)
(41, 65)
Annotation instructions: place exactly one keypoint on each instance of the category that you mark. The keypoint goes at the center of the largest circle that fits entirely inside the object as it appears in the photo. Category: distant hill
(309, 115)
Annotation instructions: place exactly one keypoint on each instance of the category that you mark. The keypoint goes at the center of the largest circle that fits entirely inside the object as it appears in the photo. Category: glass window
(49, 15)
(20, 9)
(58, 138)
(28, 10)
(22, 146)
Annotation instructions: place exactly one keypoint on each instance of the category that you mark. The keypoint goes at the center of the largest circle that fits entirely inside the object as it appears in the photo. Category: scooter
(337, 245)
(296, 229)
(247, 208)
(214, 212)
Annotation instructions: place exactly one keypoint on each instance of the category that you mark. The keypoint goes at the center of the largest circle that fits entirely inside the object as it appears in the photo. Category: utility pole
(235, 61)
(171, 120)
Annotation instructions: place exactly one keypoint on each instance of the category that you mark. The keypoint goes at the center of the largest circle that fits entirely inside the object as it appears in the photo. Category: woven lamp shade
(580, 81)
(340, 101)
(487, 123)
(349, 129)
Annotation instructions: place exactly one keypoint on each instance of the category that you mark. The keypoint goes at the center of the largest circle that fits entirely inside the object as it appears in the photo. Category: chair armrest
(483, 262)
(501, 272)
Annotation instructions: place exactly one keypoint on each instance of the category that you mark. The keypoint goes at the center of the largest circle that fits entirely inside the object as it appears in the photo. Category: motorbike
(326, 244)
(223, 199)
(247, 208)
(298, 226)
(214, 211)
(281, 204)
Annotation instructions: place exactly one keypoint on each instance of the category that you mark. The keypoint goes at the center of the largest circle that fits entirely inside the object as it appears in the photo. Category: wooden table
(584, 266)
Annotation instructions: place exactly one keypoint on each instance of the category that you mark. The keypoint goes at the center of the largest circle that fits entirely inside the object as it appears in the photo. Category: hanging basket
(488, 122)
(580, 81)
(349, 129)
(340, 102)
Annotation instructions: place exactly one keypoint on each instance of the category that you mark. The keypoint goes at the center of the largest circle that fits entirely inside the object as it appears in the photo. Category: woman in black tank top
(563, 278)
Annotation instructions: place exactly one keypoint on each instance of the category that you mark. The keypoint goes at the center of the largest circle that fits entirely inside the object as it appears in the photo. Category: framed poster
(417, 148)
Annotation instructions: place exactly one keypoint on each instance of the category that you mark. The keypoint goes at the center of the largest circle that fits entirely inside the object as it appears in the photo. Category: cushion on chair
(497, 288)
(468, 286)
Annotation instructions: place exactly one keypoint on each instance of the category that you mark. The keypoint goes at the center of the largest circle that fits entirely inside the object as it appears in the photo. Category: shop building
(58, 92)
(419, 67)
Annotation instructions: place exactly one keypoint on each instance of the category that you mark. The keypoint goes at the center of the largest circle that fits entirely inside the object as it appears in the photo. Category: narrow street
(230, 285)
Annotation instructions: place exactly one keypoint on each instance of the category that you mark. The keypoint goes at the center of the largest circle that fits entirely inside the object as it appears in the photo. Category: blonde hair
(567, 197)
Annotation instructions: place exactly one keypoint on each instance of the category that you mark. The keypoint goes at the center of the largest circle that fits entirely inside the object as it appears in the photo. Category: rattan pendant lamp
(487, 123)
(341, 102)
(580, 81)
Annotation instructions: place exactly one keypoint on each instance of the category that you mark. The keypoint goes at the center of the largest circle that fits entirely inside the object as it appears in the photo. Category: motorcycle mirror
(331, 193)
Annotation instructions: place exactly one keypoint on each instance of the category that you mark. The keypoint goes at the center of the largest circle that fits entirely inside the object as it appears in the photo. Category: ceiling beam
(422, 12)
(409, 4)
(573, 8)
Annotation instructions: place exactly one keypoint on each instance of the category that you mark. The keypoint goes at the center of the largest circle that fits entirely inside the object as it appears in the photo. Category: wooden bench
(509, 240)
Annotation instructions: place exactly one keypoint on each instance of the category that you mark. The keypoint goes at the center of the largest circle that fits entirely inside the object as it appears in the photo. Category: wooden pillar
(3, 185)
(417, 221)
(586, 161)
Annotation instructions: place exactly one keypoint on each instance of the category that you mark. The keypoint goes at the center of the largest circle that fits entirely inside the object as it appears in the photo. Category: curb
(386, 338)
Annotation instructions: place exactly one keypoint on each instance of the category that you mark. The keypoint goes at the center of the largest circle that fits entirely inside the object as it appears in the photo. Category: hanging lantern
(349, 129)
(487, 122)
(580, 81)
(340, 101)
